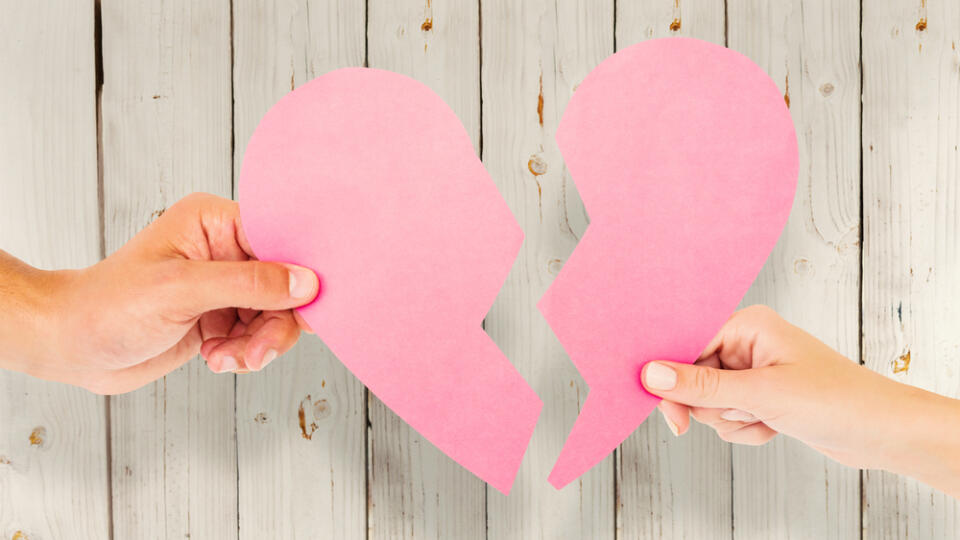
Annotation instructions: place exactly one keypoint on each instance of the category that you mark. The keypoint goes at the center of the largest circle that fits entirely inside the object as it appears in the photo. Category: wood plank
(53, 471)
(534, 55)
(297, 481)
(166, 133)
(415, 490)
(911, 132)
(811, 49)
(672, 487)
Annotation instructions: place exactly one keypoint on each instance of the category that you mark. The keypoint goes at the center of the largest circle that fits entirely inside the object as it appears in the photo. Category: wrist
(928, 445)
(28, 321)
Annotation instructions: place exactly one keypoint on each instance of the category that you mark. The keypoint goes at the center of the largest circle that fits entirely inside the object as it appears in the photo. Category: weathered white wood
(911, 290)
(53, 465)
(670, 487)
(166, 133)
(300, 477)
(811, 49)
(534, 55)
(415, 490)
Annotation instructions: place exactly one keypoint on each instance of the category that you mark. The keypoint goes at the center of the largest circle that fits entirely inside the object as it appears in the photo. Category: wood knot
(902, 364)
(536, 165)
(427, 24)
(317, 410)
(921, 24)
(38, 436)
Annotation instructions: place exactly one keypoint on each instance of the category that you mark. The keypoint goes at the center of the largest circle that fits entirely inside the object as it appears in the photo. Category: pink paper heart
(369, 178)
(686, 158)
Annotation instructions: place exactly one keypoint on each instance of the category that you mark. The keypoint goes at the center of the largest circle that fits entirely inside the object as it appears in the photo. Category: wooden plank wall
(166, 129)
(911, 215)
(54, 476)
(534, 54)
(113, 109)
(296, 480)
(811, 49)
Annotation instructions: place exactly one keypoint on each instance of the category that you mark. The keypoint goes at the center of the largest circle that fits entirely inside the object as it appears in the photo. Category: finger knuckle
(706, 382)
(265, 279)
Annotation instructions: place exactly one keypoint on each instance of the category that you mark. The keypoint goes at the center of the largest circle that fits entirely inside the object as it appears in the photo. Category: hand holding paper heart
(686, 159)
(369, 178)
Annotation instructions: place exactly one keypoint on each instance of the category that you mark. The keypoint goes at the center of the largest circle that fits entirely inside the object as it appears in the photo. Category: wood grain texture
(53, 467)
(190, 459)
(166, 133)
(670, 487)
(415, 490)
(296, 480)
(534, 55)
(911, 290)
(811, 50)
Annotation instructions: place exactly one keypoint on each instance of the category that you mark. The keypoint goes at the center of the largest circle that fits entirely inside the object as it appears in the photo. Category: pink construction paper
(369, 178)
(686, 159)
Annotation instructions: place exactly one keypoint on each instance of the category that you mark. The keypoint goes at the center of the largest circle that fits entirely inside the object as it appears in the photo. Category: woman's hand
(761, 376)
(188, 283)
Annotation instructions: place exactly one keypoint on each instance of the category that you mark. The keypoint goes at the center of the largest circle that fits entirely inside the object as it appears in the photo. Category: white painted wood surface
(673, 487)
(534, 55)
(811, 50)
(54, 479)
(911, 267)
(185, 84)
(165, 108)
(298, 475)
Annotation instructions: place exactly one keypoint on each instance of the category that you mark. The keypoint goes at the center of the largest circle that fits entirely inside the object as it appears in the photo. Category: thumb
(264, 286)
(702, 386)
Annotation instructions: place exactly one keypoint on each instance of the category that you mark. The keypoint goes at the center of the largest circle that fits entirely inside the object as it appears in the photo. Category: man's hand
(188, 283)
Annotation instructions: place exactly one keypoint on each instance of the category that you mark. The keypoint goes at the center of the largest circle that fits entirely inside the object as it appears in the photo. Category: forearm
(27, 296)
(929, 445)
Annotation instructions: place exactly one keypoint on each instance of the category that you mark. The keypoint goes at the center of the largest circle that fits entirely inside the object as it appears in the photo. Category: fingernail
(303, 282)
(228, 363)
(659, 376)
(673, 427)
(268, 357)
(736, 415)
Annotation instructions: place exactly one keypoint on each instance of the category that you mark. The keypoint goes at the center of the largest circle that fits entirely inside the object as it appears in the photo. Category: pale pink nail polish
(227, 364)
(659, 376)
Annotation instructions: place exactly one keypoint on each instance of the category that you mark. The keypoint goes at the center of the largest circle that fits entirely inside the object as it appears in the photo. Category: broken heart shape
(685, 157)
(684, 154)
(369, 178)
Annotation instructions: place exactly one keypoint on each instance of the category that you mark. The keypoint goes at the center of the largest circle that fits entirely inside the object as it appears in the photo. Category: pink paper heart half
(686, 158)
(369, 178)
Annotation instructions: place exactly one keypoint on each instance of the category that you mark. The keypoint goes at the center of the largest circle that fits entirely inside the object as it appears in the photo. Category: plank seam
(860, 358)
(98, 95)
(616, 451)
(366, 392)
(733, 490)
(483, 324)
(233, 190)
